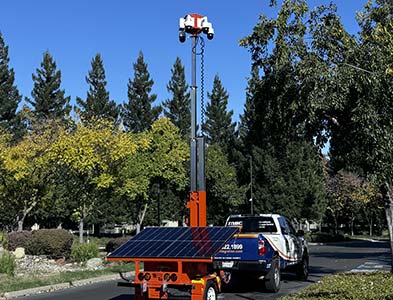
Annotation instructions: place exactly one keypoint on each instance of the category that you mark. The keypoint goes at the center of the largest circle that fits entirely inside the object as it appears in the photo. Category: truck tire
(210, 291)
(139, 295)
(302, 268)
(273, 278)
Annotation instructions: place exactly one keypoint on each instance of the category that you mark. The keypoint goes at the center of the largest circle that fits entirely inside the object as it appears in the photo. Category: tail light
(147, 276)
(262, 247)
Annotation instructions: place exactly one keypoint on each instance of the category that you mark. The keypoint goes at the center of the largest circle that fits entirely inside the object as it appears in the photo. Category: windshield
(253, 224)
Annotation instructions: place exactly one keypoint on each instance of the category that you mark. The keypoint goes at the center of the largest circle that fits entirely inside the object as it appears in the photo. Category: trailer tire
(273, 278)
(210, 291)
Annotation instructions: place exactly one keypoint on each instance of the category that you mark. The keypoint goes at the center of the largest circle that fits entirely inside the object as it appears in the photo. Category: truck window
(253, 224)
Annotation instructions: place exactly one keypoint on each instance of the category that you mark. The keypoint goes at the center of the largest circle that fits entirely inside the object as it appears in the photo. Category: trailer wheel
(273, 282)
(210, 291)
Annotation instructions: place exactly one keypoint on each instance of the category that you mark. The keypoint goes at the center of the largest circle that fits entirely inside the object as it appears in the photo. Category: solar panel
(175, 242)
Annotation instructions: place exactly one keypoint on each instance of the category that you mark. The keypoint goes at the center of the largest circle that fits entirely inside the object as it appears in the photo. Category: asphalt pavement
(351, 256)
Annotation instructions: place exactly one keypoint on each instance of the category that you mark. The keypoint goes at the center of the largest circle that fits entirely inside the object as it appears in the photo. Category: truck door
(292, 246)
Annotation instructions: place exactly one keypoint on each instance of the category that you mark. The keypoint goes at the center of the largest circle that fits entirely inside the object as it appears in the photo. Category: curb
(60, 286)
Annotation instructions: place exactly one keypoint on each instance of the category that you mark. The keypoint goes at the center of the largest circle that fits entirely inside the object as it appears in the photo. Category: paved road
(324, 260)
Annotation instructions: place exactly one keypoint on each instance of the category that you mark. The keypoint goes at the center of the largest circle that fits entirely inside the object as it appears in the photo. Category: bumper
(259, 266)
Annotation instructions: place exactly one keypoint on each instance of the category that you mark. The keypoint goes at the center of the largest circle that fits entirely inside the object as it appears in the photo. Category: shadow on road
(123, 297)
(361, 244)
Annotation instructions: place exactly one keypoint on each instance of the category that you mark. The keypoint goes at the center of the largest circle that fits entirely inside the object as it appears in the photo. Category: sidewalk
(61, 286)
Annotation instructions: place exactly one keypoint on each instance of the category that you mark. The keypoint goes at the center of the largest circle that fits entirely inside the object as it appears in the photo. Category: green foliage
(48, 100)
(53, 243)
(97, 104)
(113, 244)
(367, 286)
(178, 108)
(223, 194)
(3, 240)
(7, 264)
(138, 113)
(9, 94)
(324, 237)
(18, 239)
(218, 127)
(84, 252)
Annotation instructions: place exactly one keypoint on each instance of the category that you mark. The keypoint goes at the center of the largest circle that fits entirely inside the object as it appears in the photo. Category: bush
(54, 243)
(324, 237)
(3, 240)
(113, 244)
(18, 239)
(83, 252)
(7, 264)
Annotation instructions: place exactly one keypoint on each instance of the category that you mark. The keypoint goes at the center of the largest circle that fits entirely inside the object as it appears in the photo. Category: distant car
(266, 245)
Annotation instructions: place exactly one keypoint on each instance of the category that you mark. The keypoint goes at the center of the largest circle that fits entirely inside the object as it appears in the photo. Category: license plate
(227, 264)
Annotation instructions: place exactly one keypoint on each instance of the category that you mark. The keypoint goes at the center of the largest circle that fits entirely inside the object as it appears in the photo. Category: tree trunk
(371, 226)
(20, 223)
(389, 217)
(141, 216)
(352, 222)
(81, 231)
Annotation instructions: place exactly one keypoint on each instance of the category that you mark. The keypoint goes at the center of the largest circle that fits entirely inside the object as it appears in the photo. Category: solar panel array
(175, 242)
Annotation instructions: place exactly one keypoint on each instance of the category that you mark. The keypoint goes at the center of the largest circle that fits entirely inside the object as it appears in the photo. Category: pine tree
(97, 103)
(48, 100)
(178, 108)
(9, 94)
(247, 120)
(218, 126)
(138, 114)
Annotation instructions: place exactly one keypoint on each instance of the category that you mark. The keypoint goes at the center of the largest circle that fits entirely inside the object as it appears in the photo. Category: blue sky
(73, 31)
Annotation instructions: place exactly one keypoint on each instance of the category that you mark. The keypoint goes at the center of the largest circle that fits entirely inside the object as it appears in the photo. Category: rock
(60, 261)
(94, 263)
(19, 253)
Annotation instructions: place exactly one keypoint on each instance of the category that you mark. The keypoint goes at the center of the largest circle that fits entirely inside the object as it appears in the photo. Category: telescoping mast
(178, 261)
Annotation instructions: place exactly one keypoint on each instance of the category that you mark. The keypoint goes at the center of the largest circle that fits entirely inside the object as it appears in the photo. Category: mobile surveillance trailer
(178, 261)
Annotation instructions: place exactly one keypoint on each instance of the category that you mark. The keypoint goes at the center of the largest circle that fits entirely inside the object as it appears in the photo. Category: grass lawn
(356, 286)
(9, 284)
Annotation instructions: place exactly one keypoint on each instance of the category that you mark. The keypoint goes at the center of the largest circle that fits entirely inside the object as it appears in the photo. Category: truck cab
(265, 245)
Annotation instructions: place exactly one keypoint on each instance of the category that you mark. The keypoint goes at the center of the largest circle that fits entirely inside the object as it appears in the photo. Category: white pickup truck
(266, 244)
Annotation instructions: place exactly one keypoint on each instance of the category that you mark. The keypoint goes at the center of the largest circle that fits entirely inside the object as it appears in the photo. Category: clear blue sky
(75, 30)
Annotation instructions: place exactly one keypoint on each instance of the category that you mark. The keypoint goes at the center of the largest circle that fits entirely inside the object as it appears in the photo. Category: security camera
(210, 33)
(206, 26)
(188, 23)
(181, 23)
(182, 36)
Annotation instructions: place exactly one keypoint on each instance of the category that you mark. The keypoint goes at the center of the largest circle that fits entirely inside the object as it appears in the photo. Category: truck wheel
(210, 291)
(139, 295)
(302, 269)
(273, 278)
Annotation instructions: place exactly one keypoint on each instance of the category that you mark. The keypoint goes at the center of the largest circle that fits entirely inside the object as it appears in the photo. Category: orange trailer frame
(159, 276)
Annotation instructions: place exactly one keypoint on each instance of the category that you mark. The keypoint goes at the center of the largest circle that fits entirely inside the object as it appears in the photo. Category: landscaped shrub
(324, 237)
(113, 244)
(54, 243)
(7, 263)
(83, 252)
(18, 239)
(3, 240)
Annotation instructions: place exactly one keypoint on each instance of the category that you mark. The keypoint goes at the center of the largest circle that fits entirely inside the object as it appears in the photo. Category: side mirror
(300, 233)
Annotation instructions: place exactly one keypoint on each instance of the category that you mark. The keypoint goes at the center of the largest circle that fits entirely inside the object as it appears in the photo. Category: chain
(202, 84)
(201, 53)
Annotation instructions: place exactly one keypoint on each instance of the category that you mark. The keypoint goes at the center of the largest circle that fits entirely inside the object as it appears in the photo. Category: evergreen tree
(178, 108)
(48, 100)
(247, 120)
(138, 114)
(9, 94)
(97, 103)
(218, 126)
